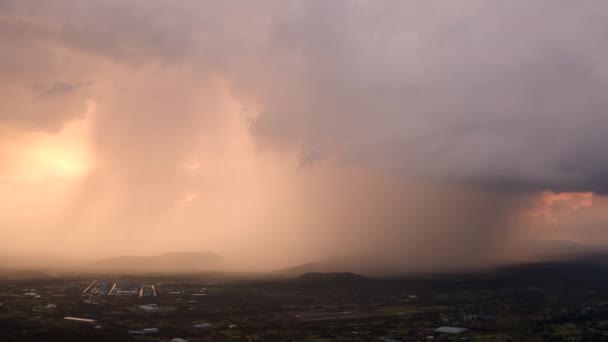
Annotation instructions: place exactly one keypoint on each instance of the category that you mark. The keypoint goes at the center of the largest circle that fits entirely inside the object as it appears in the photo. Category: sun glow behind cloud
(548, 200)
(32, 157)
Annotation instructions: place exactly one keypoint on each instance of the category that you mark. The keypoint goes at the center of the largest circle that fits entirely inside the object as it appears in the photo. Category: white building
(149, 307)
(80, 320)
(450, 330)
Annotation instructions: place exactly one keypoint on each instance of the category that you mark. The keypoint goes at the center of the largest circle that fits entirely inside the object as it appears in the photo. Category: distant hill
(574, 272)
(362, 264)
(562, 250)
(378, 266)
(168, 262)
(333, 277)
(302, 268)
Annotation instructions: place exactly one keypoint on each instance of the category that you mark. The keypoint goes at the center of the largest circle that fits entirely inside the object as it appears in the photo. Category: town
(509, 304)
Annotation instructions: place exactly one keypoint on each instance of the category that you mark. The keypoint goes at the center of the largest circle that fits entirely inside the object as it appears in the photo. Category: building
(80, 320)
(477, 318)
(450, 330)
(89, 287)
(136, 333)
(147, 291)
(123, 289)
(149, 307)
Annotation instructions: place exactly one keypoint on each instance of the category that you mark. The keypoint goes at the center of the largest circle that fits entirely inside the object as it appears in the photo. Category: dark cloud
(504, 95)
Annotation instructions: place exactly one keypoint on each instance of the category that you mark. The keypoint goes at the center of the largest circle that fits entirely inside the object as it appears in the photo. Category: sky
(434, 133)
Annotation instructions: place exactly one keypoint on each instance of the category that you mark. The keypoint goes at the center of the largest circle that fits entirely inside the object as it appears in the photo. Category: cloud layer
(218, 119)
(503, 94)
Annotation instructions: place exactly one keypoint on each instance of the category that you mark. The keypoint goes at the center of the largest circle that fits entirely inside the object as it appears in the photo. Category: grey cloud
(504, 95)
(500, 94)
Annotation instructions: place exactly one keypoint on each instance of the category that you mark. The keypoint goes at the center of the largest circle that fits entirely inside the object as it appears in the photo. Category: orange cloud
(549, 200)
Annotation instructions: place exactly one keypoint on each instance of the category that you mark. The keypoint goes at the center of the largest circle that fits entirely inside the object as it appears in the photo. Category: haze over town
(423, 134)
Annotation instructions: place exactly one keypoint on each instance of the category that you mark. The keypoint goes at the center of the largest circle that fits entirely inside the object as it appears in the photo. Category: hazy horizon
(275, 133)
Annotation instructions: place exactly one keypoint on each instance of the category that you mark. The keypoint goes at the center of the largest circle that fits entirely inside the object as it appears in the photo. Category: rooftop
(450, 330)
(78, 319)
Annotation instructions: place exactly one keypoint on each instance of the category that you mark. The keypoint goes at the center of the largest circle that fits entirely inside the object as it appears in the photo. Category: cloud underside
(501, 94)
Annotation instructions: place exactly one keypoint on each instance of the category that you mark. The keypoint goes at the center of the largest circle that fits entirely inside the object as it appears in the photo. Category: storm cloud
(222, 117)
(503, 94)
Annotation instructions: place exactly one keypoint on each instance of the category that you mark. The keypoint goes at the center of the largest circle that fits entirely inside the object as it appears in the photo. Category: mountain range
(168, 262)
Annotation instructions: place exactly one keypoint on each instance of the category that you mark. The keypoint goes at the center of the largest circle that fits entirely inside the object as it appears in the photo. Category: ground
(541, 302)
